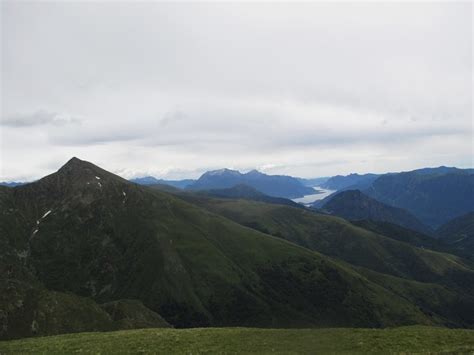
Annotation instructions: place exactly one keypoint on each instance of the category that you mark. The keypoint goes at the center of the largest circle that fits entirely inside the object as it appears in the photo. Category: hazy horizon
(246, 170)
(172, 90)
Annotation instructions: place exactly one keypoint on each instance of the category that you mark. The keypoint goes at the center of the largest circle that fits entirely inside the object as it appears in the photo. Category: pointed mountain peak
(76, 164)
(80, 170)
(74, 161)
(254, 172)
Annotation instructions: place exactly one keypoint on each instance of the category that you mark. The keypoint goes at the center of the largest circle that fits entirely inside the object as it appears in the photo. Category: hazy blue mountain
(272, 185)
(150, 180)
(442, 170)
(434, 195)
(352, 181)
(12, 183)
(364, 181)
(354, 205)
(314, 181)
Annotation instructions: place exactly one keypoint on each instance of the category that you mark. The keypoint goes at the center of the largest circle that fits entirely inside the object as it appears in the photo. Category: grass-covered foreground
(231, 340)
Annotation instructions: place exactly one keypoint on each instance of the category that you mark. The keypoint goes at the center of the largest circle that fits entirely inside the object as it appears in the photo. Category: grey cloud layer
(162, 87)
(39, 118)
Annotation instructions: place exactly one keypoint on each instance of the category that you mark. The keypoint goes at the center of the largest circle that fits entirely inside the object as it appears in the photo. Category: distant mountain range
(441, 170)
(150, 180)
(434, 196)
(12, 183)
(83, 249)
(314, 181)
(272, 185)
(351, 182)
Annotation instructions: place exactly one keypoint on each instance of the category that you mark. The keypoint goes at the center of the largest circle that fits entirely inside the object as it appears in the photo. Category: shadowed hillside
(338, 238)
(434, 196)
(354, 205)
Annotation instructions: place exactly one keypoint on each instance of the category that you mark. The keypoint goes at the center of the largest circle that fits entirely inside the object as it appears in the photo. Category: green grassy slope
(339, 238)
(405, 235)
(440, 303)
(32, 310)
(27, 310)
(444, 290)
(414, 339)
(108, 239)
(459, 234)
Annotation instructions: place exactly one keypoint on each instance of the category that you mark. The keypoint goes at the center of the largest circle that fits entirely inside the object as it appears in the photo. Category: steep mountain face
(364, 181)
(354, 205)
(150, 180)
(352, 181)
(84, 238)
(28, 213)
(434, 198)
(459, 234)
(272, 185)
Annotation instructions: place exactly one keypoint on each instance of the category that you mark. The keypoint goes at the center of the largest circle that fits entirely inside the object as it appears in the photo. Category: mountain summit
(80, 169)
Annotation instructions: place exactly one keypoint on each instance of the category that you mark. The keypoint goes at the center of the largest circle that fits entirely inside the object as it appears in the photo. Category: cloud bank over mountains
(175, 89)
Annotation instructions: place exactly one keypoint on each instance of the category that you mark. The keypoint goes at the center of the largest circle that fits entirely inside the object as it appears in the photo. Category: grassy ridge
(250, 340)
(440, 284)
(338, 238)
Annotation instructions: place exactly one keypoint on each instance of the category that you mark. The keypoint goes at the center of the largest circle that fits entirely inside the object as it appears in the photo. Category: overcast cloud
(172, 90)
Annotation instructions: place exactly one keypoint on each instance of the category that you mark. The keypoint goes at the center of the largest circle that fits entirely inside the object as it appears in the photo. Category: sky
(175, 89)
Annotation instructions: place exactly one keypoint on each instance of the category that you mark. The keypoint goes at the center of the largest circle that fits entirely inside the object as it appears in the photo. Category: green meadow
(413, 339)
